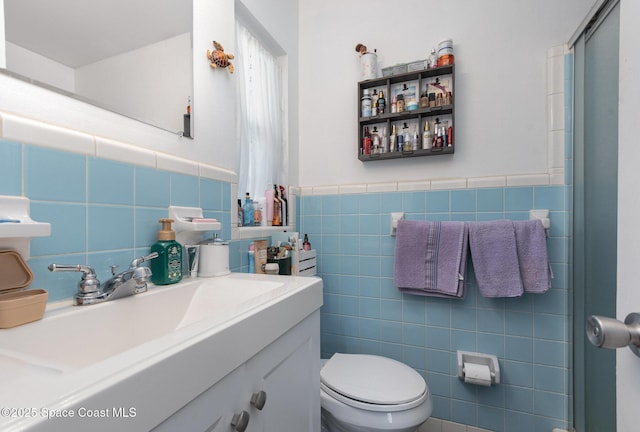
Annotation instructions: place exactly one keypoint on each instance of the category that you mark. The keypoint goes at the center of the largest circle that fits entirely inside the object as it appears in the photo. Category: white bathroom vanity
(198, 356)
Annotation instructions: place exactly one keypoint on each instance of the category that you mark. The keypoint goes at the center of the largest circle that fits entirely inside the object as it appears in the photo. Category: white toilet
(368, 393)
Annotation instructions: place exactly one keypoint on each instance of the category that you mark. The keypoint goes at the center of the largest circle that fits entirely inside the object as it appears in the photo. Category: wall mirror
(133, 57)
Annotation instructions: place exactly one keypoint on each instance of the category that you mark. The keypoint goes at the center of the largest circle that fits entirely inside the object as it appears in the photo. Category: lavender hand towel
(495, 258)
(431, 258)
(531, 245)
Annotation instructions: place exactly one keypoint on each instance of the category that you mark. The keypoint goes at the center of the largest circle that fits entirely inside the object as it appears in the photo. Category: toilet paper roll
(477, 374)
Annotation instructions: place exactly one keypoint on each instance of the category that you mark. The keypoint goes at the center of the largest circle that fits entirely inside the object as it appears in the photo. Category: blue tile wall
(102, 212)
(363, 311)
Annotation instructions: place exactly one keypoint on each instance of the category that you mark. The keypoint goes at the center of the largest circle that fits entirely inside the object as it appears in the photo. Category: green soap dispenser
(167, 267)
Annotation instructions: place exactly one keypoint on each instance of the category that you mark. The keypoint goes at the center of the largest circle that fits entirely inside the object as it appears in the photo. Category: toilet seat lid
(372, 379)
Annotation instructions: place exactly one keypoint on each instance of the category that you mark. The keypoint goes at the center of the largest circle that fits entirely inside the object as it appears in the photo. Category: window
(261, 115)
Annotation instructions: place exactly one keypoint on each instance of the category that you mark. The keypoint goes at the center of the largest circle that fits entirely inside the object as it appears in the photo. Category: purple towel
(531, 244)
(495, 258)
(431, 258)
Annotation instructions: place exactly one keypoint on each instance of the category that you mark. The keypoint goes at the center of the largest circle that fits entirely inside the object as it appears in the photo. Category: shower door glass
(595, 216)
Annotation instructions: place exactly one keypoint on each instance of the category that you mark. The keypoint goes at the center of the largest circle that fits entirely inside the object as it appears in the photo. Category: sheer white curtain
(261, 134)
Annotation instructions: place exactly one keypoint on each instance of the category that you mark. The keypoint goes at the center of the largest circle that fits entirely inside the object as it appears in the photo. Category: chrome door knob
(605, 332)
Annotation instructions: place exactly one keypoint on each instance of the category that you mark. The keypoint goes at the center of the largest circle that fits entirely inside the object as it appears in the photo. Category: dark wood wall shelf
(417, 84)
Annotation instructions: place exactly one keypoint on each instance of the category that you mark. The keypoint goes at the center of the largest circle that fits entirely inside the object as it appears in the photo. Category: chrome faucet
(129, 282)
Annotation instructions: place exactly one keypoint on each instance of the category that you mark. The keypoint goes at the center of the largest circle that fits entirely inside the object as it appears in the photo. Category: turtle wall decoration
(218, 58)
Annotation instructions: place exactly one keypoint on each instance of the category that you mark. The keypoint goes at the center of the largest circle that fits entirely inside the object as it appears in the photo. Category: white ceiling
(79, 32)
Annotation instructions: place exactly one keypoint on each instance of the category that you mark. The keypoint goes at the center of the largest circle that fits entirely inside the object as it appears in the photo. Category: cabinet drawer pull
(240, 421)
(258, 399)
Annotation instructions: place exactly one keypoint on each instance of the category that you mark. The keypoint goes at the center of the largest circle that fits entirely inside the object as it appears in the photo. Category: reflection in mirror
(133, 57)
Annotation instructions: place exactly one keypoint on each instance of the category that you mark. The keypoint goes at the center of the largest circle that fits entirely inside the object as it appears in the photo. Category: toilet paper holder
(474, 358)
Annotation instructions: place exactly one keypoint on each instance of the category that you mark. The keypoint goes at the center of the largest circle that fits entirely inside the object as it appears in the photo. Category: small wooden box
(18, 306)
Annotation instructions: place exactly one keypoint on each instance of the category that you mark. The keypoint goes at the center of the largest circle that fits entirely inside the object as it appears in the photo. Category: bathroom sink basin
(81, 336)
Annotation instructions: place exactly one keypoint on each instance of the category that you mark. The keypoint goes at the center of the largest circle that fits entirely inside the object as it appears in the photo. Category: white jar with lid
(214, 259)
(272, 268)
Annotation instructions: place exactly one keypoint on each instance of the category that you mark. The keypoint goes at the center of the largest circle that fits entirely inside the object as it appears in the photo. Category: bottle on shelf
(400, 103)
(374, 102)
(439, 137)
(257, 214)
(366, 141)
(375, 141)
(433, 59)
(366, 103)
(424, 100)
(450, 136)
(406, 138)
(416, 139)
(240, 213)
(277, 208)
(285, 207)
(392, 139)
(382, 102)
(445, 130)
(385, 140)
(427, 138)
(305, 243)
(436, 132)
(252, 264)
(394, 105)
(247, 210)
(268, 194)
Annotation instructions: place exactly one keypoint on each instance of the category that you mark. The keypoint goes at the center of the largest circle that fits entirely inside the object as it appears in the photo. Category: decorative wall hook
(218, 58)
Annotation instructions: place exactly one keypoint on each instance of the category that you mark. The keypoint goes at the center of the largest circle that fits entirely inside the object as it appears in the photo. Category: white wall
(134, 83)
(500, 48)
(628, 365)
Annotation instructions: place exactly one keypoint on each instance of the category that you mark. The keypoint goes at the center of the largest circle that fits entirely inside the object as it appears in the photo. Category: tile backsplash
(102, 212)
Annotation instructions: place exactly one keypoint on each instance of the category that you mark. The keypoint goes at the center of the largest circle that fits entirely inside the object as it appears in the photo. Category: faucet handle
(136, 262)
(88, 284)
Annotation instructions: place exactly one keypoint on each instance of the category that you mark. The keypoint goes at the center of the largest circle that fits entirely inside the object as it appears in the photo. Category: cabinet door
(214, 409)
(288, 371)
